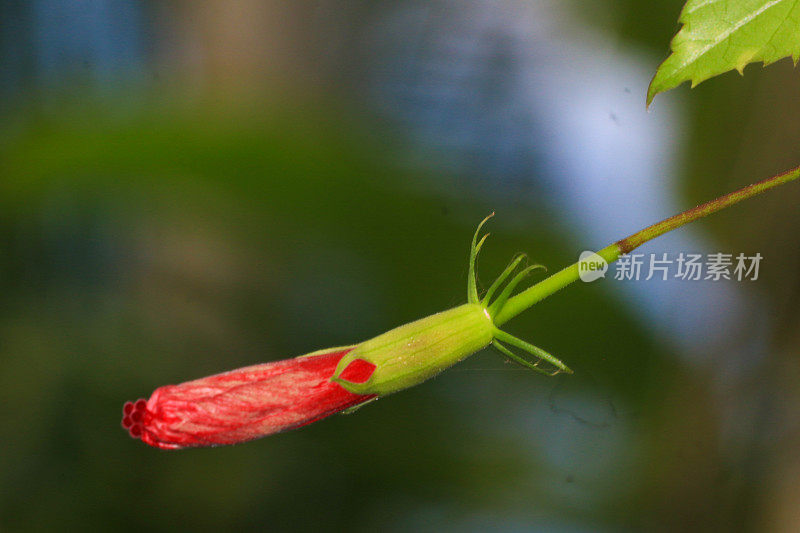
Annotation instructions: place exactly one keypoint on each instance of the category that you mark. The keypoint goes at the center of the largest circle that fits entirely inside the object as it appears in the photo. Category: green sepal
(472, 281)
(520, 361)
(327, 350)
(535, 351)
(501, 300)
(515, 261)
(351, 410)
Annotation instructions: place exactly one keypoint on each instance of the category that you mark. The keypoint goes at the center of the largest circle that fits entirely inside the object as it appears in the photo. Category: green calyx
(417, 351)
(494, 307)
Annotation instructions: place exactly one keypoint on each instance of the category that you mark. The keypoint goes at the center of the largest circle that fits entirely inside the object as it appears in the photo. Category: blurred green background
(186, 188)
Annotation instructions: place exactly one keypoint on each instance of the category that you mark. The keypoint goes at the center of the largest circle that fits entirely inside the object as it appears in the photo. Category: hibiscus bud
(259, 400)
(245, 404)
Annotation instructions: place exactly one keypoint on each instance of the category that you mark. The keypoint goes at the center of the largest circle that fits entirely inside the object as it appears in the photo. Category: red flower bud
(247, 403)
(259, 400)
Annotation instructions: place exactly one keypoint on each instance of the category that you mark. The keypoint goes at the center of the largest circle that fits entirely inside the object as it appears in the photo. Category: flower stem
(562, 278)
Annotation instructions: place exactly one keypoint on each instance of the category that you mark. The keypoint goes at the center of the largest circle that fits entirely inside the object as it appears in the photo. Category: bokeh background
(190, 187)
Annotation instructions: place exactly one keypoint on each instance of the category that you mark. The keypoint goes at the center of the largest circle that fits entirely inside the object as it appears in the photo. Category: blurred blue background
(186, 188)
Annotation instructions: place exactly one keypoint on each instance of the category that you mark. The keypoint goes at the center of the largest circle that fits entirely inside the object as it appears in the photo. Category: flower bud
(244, 404)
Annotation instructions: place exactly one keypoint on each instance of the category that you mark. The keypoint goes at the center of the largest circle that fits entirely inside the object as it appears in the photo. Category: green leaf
(722, 35)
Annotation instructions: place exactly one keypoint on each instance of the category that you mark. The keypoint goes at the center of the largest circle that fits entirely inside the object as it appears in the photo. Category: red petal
(359, 371)
(244, 404)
